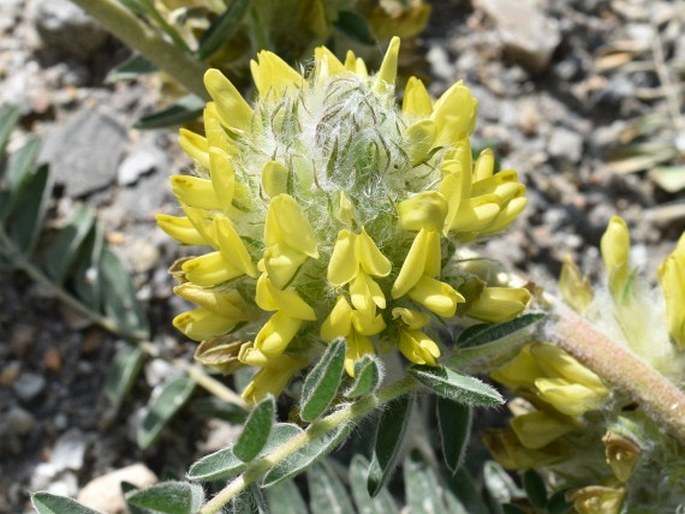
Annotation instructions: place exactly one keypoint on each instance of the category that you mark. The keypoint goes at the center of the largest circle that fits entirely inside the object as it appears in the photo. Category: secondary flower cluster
(330, 212)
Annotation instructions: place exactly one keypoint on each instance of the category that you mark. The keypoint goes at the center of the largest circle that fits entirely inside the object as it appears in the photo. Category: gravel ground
(560, 86)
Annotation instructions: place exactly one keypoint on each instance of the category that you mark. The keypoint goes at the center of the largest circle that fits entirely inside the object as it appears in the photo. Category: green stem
(616, 364)
(344, 415)
(121, 22)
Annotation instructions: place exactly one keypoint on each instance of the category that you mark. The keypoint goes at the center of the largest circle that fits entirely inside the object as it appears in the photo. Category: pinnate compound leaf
(454, 423)
(326, 491)
(183, 110)
(119, 296)
(390, 432)
(300, 460)
(381, 504)
(46, 503)
(223, 464)
(256, 431)
(166, 400)
(484, 333)
(455, 386)
(223, 28)
(535, 488)
(422, 488)
(285, 498)
(168, 498)
(60, 256)
(26, 218)
(123, 373)
(322, 383)
(368, 373)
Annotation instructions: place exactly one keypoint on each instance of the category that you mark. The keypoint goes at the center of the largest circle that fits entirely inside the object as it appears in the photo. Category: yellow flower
(499, 304)
(597, 499)
(328, 211)
(575, 289)
(672, 280)
(505, 447)
(615, 247)
(536, 429)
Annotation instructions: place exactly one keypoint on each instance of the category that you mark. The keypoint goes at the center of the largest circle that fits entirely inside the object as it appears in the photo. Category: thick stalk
(351, 412)
(620, 367)
(121, 22)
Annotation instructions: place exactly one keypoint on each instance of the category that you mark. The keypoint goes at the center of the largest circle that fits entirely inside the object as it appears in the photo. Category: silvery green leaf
(454, 424)
(455, 386)
(256, 431)
(285, 498)
(323, 381)
(326, 491)
(46, 503)
(168, 498)
(368, 374)
(123, 372)
(423, 492)
(166, 400)
(381, 504)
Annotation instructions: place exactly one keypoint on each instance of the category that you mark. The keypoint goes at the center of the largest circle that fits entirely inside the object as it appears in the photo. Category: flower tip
(388, 70)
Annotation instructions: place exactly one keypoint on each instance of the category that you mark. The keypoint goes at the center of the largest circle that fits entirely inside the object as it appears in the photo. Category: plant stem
(218, 389)
(133, 32)
(346, 414)
(620, 367)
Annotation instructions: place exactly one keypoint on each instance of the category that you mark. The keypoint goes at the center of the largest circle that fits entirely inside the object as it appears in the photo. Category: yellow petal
(436, 296)
(195, 146)
(270, 298)
(234, 111)
(671, 275)
(221, 301)
(344, 210)
(537, 429)
(210, 269)
(418, 347)
(388, 71)
(426, 210)
(272, 379)
(287, 224)
(508, 451)
(597, 499)
(232, 247)
(326, 62)
(485, 165)
(276, 334)
(366, 294)
(420, 140)
(576, 289)
(370, 258)
(273, 76)
(489, 184)
(281, 262)
(199, 324)
(417, 103)
(195, 192)
(451, 188)
(223, 178)
(615, 247)
(520, 371)
(454, 114)
(180, 228)
(214, 130)
(499, 304)
(357, 346)
(507, 215)
(414, 265)
(274, 178)
(475, 214)
(339, 321)
(367, 325)
(567, 397)
(343, 265)
(555, 362)
(202, 221)
(413, 319)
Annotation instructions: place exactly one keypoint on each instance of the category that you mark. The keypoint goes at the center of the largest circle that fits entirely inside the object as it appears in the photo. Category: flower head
(329, 212)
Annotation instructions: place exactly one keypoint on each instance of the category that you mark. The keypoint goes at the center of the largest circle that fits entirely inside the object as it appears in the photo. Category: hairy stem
(351, 412)
(620, 367)
(132, 31)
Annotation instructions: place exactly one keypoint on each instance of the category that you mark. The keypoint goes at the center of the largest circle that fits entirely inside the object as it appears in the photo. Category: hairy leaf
(26, 218)
(169, 498)
(455, 386)
(46, 503)
(166, 400)
(422, 488)
(368, 373)
(322, 383)
(381, 504)
(250, 501)
(535, 488)
(454, 422)
(256, 431)
(390, 432)
(60, 256)
(486, 333)
(123, 372)
(284, 498)
(326, 491)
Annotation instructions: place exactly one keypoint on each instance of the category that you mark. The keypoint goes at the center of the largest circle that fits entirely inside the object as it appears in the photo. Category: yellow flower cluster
(559, 391)
(329, 212)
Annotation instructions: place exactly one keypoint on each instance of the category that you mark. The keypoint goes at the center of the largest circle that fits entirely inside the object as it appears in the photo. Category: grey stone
(565, 144)
(528, 36)
(84, 152)
(138, 163)
(69, 451)
(65, 27)
(19, 421)
(28, 386)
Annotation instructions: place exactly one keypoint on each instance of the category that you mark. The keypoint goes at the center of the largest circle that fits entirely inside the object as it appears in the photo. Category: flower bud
(596, 499)
(672, 281)
(615, 247)
(622, 454)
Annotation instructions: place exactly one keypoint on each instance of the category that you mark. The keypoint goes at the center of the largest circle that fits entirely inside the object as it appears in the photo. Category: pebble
(566, 144)
(22, 338)
(69, 451)
(103, 493)
(9, 373)
(140, 162)
(65, 27)
(528, 36)
(19, 421)
(28, 386)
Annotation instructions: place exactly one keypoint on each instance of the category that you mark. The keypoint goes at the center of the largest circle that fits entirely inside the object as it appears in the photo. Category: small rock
(22, 338)
(28, 386)
(565, 144)
(65, 27)
(85, 151)
(142, 256)
(52, 359)
(138, 163)
(159, 370)
(69, 451)
(19, 421)
(104, 492)
(529, 37)
(64, 484)
(529, 118)
(9, 373)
